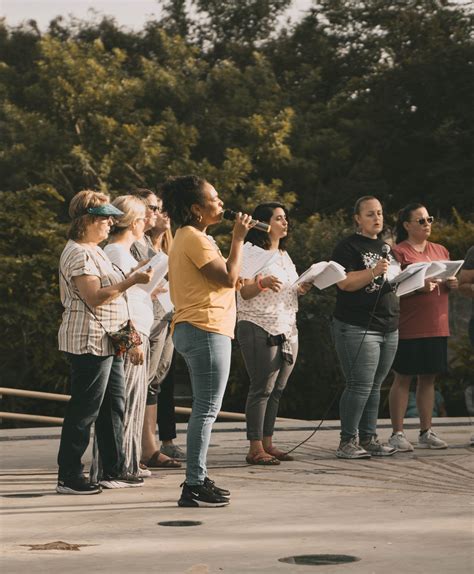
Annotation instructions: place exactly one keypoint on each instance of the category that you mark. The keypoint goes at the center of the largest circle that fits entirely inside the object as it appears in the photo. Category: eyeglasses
(423, 220)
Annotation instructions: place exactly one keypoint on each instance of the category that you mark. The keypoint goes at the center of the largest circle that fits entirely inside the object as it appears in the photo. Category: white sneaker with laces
(429, 439)
(376, 448)
(399, 441)
(350, 449)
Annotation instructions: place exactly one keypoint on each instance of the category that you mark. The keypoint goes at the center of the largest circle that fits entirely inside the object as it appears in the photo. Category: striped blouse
(80, 333)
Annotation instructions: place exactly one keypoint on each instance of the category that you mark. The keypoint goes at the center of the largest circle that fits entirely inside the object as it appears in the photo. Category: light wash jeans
(207, 356)
(364, 374)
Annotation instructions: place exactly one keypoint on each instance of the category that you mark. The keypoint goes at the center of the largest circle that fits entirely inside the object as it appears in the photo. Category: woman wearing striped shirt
(88, 282)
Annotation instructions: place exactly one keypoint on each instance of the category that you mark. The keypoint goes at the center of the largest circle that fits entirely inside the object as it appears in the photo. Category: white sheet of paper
(322, 274)
(413, 277)
(165, 299)
(452, 267)
(254, 259)
(159, 264)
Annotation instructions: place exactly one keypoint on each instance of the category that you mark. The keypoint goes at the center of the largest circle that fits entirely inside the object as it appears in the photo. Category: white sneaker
(430, 440)
(350, 449)
(143, 471)
(376, 448)
(399, 441)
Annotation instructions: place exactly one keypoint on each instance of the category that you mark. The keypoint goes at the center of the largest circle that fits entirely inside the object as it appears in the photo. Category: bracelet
(260, 286)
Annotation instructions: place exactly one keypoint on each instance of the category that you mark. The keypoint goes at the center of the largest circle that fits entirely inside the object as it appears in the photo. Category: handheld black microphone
(385, 252)
(260, 225)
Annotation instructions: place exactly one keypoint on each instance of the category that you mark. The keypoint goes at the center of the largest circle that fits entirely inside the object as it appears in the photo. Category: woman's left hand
(136, 355)
(452, 283)
(303, 288)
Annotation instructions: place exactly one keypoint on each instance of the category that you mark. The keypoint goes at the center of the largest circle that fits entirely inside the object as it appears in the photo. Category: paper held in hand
(322, 274)
(159, 264)
(255, 259)
(413, 277)
(452, 267)
(164, 298)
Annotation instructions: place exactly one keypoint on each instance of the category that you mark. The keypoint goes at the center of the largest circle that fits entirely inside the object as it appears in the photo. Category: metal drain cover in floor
(319, 559)
(180, 523)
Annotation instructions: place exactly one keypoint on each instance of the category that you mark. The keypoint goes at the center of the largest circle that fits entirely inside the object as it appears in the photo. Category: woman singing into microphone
(202, 288)
(267, 333)
(365, 330)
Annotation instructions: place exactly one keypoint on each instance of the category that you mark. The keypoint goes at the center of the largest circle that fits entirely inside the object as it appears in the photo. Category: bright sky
(130, 13)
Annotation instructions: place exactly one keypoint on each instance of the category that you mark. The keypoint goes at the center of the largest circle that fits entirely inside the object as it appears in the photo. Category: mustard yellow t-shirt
(203, 303)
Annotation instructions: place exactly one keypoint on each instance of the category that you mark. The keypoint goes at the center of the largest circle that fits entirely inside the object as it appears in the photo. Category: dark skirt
(427, 356)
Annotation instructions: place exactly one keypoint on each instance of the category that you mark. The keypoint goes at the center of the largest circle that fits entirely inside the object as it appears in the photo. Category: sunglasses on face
(423, 220)
(155, 208)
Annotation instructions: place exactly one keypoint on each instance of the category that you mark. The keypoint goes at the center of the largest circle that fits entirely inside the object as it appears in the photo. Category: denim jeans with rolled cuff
(207, 356)
(97, 396)
(364, 371)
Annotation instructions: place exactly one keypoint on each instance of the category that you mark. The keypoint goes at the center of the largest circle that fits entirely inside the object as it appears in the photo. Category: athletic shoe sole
(403, 449)
(67, 490)
(118, 484)
(431, 446)
(201, 504)
(383, 453)
(352, 457)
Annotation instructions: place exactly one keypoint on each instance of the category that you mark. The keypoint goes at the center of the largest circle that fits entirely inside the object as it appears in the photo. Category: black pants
(166, 415)
(97, 396)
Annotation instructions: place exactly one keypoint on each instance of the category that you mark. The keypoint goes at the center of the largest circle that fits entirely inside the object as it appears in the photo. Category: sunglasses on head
(423, 220)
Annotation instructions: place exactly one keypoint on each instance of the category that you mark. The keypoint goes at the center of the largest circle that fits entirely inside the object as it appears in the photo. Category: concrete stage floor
(410, 513)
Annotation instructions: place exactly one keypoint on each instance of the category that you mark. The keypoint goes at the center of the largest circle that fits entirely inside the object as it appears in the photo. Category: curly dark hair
(264, 212)
(403, 216)
(179, 194)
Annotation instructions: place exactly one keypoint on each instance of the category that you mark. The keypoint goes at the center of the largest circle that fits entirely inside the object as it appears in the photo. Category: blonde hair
(78, 207)
(132, 208)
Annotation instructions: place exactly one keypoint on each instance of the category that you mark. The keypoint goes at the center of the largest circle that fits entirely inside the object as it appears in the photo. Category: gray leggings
(268, 374)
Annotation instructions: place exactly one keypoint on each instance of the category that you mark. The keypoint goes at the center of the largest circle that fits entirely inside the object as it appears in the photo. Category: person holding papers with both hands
(267, 333)
(365, 328)
(424, 329)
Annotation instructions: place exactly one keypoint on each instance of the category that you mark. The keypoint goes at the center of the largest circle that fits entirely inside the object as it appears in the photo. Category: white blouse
(139, 301)
(274, 312)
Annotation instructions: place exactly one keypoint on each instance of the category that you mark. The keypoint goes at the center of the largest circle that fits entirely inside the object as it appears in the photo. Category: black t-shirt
(357, 253)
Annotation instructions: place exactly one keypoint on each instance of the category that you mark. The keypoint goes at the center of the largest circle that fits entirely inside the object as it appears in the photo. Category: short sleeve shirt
(366, 306)
(423, 315)
(198, 300)
(275, 312)
(80, 332)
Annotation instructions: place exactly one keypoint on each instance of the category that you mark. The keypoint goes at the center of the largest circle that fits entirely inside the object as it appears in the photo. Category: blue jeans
(207, 356)
(364, 373)
(97, 396)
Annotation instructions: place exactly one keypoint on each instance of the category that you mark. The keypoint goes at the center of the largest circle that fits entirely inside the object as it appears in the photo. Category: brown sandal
(261, 458)
(280, 455)
(155, 462)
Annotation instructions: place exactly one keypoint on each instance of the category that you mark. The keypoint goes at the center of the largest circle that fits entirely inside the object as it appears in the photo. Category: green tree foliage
(355, 98)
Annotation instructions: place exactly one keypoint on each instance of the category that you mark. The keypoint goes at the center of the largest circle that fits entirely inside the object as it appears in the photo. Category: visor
(106, 210)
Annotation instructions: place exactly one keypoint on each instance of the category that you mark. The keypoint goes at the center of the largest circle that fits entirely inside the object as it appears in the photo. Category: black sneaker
(201, 495)
(78, 485)
(211, 485)
(125, 480)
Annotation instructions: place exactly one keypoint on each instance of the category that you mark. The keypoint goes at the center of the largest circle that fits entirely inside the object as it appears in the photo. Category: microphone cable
(333, 400)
